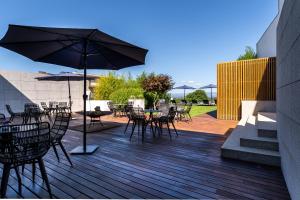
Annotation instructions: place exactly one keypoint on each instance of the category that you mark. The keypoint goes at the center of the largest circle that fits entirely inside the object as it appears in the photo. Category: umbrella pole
(85, 149)
(211, 94)
(183, 94)
(70, 99)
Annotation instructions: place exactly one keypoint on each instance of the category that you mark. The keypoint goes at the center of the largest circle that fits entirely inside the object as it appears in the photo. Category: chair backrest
(23, 143)
(97, 109)
(110, 105)
(31, 107)
(188, 107)
(172, 113)
(60, 125)
(2, 117)
(53, 104)
(62, 104)
(9, 110)
(44, 105)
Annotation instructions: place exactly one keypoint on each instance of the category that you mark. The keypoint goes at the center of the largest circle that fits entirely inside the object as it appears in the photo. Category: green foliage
(197, 95)
(155, 87)
(106, 85)
(249, 54)
(121, 88)
(123, 94)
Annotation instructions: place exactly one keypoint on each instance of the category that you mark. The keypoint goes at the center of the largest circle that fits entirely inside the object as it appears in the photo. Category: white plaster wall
(18, 88)
(266, 46)
(288, 94)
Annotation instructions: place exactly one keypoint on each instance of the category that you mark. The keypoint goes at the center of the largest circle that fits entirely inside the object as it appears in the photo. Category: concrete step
(266, 124)
(260, 143)
(247, 130)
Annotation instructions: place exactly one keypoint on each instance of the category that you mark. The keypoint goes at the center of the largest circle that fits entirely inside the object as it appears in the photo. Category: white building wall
(18, 88)
(266, 46)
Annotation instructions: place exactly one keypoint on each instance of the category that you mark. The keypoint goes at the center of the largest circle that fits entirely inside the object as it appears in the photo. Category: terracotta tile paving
(203, 123)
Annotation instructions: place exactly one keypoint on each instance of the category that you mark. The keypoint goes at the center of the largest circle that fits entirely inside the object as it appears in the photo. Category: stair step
(267, 133)
(266, 124)
(260, 143)
(247, 131)
(260, 156)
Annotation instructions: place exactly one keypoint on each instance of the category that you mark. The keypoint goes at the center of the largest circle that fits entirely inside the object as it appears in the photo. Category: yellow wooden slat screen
(244, 80)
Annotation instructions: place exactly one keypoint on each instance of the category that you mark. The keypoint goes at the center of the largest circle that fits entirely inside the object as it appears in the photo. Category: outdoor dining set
(27, 141)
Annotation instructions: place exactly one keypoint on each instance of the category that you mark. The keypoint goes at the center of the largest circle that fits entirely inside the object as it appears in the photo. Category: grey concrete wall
(288, 94)
(18, 88)
(266, 46)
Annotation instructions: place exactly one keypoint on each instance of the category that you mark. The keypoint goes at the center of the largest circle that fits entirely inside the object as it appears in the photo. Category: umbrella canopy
(184, 87)
(67, 76)
(76, 48)
(210, 86)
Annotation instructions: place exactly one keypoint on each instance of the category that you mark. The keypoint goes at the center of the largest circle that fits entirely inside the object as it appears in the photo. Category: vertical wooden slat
(244, 80)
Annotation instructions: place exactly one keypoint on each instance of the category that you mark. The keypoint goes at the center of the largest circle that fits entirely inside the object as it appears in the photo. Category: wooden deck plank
(189, 166)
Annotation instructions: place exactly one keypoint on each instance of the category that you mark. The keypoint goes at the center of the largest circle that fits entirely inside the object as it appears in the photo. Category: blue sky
(186, 38)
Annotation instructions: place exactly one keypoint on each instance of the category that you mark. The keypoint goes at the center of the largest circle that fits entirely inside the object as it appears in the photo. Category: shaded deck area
(189, 166)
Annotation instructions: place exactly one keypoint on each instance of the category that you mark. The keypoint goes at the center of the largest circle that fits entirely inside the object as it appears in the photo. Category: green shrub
(123, 94)
(106, 85)
(197, 95)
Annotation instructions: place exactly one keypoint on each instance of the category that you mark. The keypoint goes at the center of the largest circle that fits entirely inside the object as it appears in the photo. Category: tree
(197, 95)
(249, 54)
(106, 85)
(156, 86)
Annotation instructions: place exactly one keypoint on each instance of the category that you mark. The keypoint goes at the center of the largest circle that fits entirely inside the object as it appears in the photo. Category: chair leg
(4, 181)
(33, 171)
(190, 116)
(169, 130)
(133, 127)
(100, 121)
(65, 152)
(174, 128)
(55, 151)
(44, 175)
(126, 126)
(19, 179)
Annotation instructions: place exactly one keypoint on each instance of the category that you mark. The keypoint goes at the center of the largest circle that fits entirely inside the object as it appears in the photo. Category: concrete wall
(266, 46)
(250, 108)
(18, 88)
(288, 94)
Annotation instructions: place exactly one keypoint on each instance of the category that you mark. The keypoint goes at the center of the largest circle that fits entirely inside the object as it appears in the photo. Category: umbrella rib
(124, 45)
(99, 53)
(45, 56)
(117, 52)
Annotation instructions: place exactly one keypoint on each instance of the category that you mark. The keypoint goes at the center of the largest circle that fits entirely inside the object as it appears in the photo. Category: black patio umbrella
(76, 48)
(67, 76)
(210, 86)
(184, 87)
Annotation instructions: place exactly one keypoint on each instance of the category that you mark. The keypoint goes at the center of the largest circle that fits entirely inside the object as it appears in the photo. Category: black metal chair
(185, 113)
(168, 119)
(47, 110)
(96, 116)
(13, 115)
(57, 132)
(139, 119)
(32, 111)
(20, 145)
(128, 110)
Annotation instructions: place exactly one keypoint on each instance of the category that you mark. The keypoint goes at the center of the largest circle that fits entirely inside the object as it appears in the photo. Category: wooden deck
(189, 166)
